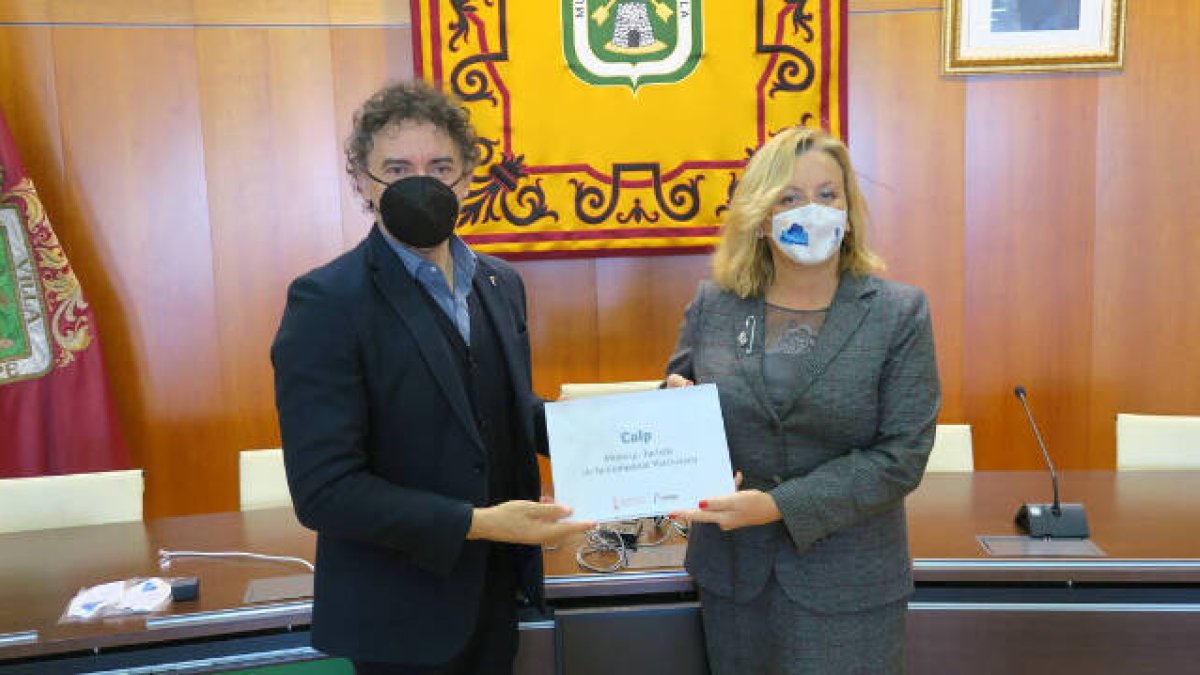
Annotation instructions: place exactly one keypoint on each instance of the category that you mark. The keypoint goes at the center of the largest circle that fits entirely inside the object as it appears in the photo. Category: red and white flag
(56, 410)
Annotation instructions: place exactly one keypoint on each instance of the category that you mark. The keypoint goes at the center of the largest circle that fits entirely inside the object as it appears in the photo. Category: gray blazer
(838, 459)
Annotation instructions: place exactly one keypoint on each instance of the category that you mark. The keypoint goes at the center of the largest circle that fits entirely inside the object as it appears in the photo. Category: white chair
(951, 449)
(262, 479)
(584, 390)
(1158, 442)
(70, 500)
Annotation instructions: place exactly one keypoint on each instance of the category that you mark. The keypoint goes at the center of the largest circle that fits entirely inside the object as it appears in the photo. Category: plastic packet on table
(118, 598)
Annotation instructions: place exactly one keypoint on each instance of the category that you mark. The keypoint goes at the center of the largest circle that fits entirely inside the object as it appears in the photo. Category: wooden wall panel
(30, 11)
(130, 12)
(27, 98)
(562, 322)
(250, 13)
(262, 12)
(639, 306)
(134, 171)
(906, 139)
(1147, 319)
(273, 200)
(1030, 176)
(369, 12)
(893, 6)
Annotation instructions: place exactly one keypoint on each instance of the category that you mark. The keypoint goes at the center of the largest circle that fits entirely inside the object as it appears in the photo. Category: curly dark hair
(411, 100)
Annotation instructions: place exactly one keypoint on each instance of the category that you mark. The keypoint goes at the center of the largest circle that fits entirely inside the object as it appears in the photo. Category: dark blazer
(384, 459)
(838, 459)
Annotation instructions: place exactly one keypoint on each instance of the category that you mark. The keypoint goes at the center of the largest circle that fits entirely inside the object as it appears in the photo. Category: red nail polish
(704, 504)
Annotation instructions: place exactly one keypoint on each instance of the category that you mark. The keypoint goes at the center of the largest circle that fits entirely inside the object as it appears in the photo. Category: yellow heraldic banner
(619, 127)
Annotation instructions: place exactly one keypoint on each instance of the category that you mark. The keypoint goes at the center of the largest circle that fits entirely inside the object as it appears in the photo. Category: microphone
(1048, 520)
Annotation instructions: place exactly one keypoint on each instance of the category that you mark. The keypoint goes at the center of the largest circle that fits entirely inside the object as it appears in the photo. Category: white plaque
(641, 454)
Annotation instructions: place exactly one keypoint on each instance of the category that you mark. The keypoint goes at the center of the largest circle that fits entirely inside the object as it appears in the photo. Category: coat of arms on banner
(619, 43)
(35, 336)
(619, 127)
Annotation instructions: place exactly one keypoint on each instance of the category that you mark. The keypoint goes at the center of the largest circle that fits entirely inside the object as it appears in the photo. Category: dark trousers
(493, 645)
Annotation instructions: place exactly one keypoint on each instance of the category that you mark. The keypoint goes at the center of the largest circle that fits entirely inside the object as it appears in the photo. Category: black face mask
(419, 211)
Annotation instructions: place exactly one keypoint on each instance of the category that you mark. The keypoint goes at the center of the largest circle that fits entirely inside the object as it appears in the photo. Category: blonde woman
(829, 393)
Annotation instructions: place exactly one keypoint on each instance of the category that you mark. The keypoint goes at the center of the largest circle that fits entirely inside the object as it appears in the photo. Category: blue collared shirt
(453, 303)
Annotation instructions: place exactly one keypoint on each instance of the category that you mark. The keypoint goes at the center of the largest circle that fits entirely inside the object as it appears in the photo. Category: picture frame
(989, 36)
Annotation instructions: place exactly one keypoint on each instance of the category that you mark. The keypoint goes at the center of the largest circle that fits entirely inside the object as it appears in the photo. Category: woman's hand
(743, 508)
(675, 380)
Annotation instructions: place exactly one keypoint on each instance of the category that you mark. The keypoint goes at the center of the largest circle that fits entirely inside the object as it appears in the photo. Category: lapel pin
(492, 278)
(745, 342)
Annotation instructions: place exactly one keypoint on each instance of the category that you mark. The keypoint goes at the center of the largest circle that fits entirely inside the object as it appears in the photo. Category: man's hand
(524, 522)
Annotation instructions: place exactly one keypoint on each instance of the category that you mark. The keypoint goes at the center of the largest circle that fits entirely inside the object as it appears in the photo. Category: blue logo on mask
(794, 235)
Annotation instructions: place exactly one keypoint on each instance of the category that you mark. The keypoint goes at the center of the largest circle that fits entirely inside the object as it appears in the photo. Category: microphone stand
(1057, 520)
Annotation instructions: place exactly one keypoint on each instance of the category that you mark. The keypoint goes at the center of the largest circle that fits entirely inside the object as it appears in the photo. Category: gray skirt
(772, 635)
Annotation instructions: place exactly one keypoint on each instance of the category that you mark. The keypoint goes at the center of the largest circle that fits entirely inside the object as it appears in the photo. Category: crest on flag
(620, 127)
(627, 43)
(38, 329)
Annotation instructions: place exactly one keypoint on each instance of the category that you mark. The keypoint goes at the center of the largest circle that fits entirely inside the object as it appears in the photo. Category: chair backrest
(70, 500)
(1158, 442)
(262, 479)
(951, 449)
(585, 389)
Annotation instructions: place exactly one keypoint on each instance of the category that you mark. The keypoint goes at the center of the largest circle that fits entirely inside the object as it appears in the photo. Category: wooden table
(1135, 610)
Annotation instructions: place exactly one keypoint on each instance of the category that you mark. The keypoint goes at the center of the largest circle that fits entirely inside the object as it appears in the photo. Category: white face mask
(810, 234)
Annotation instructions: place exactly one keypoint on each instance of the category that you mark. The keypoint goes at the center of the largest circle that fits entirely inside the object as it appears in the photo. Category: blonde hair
(742, 263)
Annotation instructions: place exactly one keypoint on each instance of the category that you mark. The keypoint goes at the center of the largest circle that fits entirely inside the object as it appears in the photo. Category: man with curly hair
(403, 385)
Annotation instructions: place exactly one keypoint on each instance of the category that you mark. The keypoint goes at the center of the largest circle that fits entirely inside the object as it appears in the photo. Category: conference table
(1131, 606)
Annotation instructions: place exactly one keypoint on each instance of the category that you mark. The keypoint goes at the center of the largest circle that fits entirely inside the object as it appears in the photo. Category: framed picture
(981, 36)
